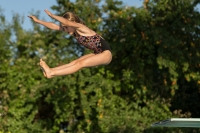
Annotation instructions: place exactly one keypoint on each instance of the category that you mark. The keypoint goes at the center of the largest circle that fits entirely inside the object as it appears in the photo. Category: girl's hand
(33, 18)
(48, 13)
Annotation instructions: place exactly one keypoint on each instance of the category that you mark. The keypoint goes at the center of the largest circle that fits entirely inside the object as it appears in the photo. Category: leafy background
(154, 73)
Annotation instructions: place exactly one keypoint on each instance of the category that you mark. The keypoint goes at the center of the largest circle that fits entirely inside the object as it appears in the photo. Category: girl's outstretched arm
(63, 20)
(49, 25)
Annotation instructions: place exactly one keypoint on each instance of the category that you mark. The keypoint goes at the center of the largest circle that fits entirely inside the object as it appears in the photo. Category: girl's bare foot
(43, 71)
(47, 71)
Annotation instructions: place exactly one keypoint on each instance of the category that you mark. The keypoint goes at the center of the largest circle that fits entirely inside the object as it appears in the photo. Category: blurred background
(154, 74)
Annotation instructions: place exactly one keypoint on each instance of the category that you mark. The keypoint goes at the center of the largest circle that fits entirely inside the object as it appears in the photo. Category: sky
(25, 7)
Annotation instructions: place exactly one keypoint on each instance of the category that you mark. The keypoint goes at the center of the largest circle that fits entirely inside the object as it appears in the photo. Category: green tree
(156, 56)
(153, 76)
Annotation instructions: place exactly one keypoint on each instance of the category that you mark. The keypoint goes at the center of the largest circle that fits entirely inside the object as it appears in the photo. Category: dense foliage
(154, 74)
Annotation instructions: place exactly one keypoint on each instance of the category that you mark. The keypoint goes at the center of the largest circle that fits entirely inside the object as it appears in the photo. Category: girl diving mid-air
(73, 25)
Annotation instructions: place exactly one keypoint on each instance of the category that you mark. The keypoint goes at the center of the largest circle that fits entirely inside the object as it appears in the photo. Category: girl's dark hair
(73, 17)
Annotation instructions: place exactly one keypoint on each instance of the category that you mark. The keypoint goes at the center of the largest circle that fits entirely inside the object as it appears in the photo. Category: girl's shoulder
(85, 31)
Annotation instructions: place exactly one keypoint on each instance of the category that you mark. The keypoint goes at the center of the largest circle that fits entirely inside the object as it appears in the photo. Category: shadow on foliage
(155, 130)
(185, 103)
(171, 130)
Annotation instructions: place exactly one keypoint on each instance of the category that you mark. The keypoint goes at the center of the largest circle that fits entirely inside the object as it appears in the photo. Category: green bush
(154, 74)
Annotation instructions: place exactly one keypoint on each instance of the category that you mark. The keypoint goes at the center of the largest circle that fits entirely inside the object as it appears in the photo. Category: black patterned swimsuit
(95, 43)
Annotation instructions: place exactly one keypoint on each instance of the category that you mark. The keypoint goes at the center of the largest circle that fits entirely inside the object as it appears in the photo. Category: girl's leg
(67, 65)
(72, 63)
(94, 60)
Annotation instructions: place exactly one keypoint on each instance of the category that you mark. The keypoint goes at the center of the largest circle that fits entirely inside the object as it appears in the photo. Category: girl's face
(68, 29)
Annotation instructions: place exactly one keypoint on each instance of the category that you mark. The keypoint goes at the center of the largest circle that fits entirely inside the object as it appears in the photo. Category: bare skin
(89, 60)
